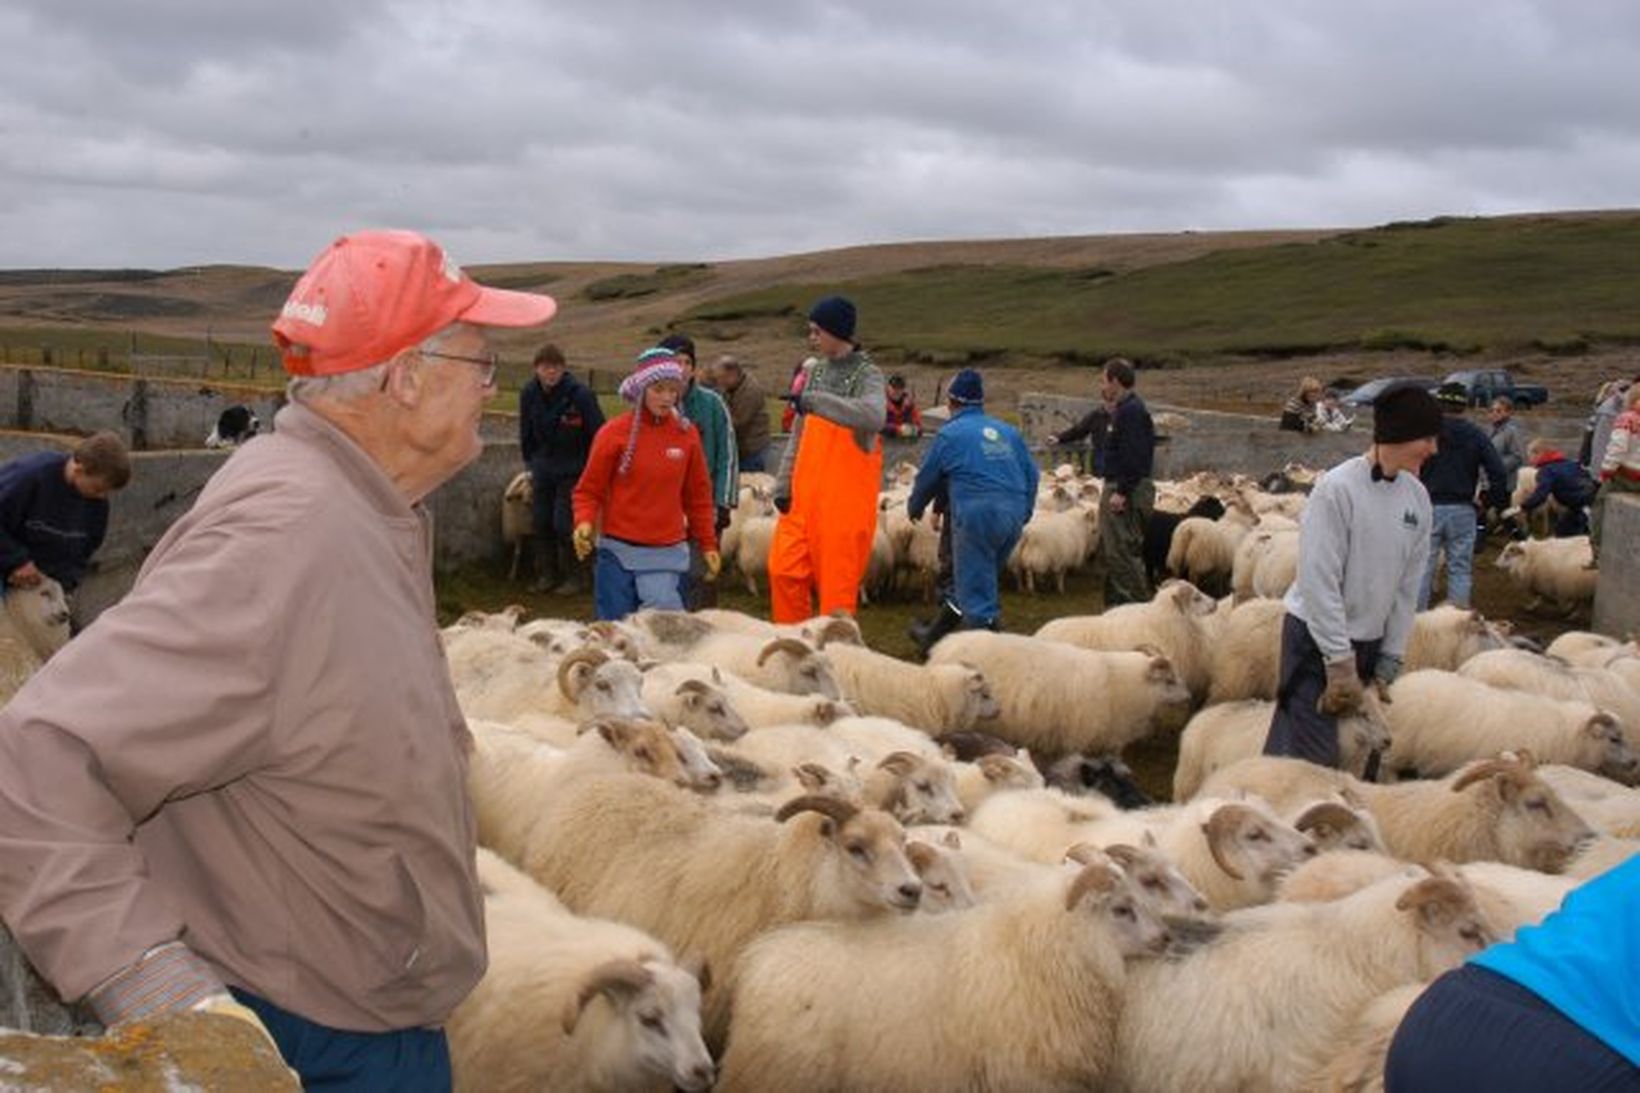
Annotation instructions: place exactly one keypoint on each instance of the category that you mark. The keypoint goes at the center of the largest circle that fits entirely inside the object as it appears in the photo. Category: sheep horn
(615, 976)
(1324, 814)
(587, 654)
(1084, 853)
(1097, 876)
(839, 628)
(1122, 854)
(1481, 771)
(1219, 828)
(840, 811)
(899, 762)
(783, 645)
(692, 686)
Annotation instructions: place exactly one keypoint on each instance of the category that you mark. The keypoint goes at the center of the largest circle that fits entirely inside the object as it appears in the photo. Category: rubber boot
(928, 633)
(546, 565)
(570, 567)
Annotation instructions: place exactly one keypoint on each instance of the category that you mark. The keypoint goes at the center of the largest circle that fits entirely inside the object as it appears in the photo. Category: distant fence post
(45, 355)
(102, 358)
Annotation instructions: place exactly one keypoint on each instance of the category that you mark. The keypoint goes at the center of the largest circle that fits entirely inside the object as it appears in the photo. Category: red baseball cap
(376, 293)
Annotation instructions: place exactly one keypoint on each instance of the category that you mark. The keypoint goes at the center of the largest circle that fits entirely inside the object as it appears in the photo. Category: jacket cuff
(168, 978)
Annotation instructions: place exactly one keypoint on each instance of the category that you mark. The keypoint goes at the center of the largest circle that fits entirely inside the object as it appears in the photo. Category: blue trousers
(618, 591)
(1453, 532)
(1475, 1029)
(332, 1060)
(983, 534)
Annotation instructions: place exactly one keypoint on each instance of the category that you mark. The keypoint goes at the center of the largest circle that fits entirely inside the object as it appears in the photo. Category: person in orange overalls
(830, 474)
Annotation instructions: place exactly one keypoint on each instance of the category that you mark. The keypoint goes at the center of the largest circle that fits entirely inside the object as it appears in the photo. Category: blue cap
(967, 388)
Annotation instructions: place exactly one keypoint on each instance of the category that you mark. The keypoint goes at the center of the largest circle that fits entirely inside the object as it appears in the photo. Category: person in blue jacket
(1556, 1008)
(54, 510)
(989, 478)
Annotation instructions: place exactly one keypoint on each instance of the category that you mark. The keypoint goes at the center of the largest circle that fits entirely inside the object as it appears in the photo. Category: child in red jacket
(646, 481)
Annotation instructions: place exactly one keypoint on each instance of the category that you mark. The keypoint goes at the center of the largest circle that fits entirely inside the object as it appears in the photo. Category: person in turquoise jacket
(1556, 1008)
(983, 466)
(706, 410)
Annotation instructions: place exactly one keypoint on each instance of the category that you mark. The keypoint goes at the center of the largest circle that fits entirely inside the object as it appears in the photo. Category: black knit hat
(679, 343)
(1405, 411)
(834, 315)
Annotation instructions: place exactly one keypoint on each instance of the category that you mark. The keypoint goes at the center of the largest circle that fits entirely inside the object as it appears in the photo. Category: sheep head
(1009, 772)
(576, 669)
(600, 685)
(646, 747)
(839, 628)
(612, 637)
(707, 710)
(1101, 888)
(616, 979)
(658, 1006)
(870, 848)
(1251, 844)
(1156, 880)
(807, 671)
(915, 789)
(1450, 927)
(944, 876)
(1336, 826)
(700, 772)
(1532, 827)
(1617, 760)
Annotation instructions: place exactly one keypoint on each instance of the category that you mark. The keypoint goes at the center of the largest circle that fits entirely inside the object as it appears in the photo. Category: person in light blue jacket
(1556, 1008)
(985, 470)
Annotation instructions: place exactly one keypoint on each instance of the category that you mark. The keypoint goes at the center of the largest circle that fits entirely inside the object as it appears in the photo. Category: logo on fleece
(1409, 519)
(674, 454)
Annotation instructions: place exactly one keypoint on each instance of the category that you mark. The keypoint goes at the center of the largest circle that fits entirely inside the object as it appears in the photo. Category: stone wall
(1617, 597)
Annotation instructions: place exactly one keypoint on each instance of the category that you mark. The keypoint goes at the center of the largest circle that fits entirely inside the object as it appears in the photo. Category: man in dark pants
(1129, 496)
(557, 418)
(986, 473)
(1362, 546)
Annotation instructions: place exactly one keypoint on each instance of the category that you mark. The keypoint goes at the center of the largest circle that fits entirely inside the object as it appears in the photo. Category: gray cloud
(181, 131)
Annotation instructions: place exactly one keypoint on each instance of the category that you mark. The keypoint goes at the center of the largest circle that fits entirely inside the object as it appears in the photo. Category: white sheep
(1601, 854)
(1357, 1064)
(706, 880)
(936, 697)
(1609, 806)
(34, 626)
(1557, 570)
(944, 875)
(1588, 648)
(1177, 621)
(1493, 810)
(779, 664)
(1204, 551)
(502, 677)
(1020, 993)
(571, 1003)
(1056, 698)
(995, 774)
(1511, 897)
(1052, 544)
(752, 549)
(1277, 566)
(1220, 735)
(700, 705)
(1521, 670)
(1441, 720)
(1267, 1004)
(517, 518)
(1448, 636)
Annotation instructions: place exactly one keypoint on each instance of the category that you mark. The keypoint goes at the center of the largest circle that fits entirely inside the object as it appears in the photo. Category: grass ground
(884, 624)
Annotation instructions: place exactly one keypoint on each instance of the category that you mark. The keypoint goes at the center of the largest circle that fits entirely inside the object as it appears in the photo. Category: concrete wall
(1242, 443)
(1617, 597)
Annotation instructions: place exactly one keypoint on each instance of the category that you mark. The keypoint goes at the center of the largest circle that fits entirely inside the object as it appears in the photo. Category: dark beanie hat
(967, 388)
(834, 315)
(1405, 411)
(679, 343)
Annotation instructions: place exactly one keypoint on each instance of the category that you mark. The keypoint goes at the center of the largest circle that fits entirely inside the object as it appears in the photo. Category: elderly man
(248, 776)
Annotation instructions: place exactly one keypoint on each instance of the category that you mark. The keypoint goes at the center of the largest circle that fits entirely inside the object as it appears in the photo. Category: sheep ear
(952, 840)
(617, 734)
(1602, 727)
(812, 776)
(1435, 900)
(1150, 838)
(1221, 830)
(901, 763)
(921, 855)
(1097, 878)
(1160, 668)
(717, 677)
(617, 979)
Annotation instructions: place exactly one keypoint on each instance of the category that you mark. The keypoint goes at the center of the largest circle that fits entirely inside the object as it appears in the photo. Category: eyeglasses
(489, 363)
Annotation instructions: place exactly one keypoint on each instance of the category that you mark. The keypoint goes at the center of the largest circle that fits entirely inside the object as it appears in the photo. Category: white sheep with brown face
(783, 664)
(574, 1003)
(1178, 621)
(1025, 989)
(936, 698)
(1269, 1001)
(706, 879)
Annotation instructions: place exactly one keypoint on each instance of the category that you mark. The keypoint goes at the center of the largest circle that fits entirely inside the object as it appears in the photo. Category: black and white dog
(235, 426)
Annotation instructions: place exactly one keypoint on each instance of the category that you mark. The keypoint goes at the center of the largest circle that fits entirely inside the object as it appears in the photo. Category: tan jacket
(259, 750)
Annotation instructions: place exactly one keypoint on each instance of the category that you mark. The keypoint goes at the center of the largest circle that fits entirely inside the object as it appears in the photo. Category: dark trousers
(552, 517)
(1297, 728)
(1475, 1029)
(332, 1060)
(1122, 544)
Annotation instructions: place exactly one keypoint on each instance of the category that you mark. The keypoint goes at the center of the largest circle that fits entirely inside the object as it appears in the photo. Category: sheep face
(1157, 881)
(945, 880)
(657, 1009)
(1173, 698)
(1187, 598)
(870, 855)
(707, 711)
(916, 790)
(600, 686)
(647, 747)
(1336, 826)
(1250, 843)
(803, 671)
(1535, 829)
(1450, 927)
(699, 771)
(978, 703)
(1103, 891)
(1617, 760)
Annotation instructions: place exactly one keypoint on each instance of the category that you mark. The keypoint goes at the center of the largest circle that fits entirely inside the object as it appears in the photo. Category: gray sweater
(848, 391)
(1362, 547)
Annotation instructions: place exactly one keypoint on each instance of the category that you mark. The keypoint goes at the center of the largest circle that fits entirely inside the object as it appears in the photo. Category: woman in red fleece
(646, 480)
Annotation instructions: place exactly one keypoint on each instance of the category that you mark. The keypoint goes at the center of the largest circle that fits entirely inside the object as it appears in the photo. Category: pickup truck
(1486, 384)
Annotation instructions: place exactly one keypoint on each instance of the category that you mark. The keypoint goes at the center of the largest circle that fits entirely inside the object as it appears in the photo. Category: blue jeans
(1453, 530)
(330, 1060)
(618, 591)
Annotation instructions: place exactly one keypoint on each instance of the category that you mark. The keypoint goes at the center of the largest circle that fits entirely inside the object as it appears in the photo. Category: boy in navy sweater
(54, 510)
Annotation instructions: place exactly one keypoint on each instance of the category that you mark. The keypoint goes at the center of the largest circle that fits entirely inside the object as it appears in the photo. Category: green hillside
(1555, 284)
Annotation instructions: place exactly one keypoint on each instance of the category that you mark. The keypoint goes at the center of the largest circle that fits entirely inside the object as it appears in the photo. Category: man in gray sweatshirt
(1362, 548)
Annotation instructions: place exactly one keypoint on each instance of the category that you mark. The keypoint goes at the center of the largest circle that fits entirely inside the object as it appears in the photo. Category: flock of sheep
(720, 852)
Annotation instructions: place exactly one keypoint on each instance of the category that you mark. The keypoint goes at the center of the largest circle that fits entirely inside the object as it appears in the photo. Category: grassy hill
(1551, 294)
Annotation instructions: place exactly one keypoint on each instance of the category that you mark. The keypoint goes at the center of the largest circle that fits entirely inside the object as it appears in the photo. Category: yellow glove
(582, 538)
(714, 564)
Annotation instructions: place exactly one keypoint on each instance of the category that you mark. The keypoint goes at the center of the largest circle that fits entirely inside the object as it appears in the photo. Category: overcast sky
(176, 132)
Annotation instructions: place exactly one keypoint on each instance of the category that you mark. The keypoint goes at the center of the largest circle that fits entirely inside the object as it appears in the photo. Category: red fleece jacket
(665, 488)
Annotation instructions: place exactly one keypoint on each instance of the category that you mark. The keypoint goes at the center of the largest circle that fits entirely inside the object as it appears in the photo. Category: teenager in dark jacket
(54, 510)
(1451, 476)
(557, 418)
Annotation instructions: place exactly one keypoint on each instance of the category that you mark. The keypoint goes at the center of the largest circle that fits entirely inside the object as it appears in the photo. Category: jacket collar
(304, 426)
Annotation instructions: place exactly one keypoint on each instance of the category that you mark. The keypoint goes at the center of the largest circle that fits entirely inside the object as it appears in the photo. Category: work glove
(908, 430)
(581, 537)
(1384, 674)
(782, 505)
(1344, 692)
(714, 564)
(795, 400)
